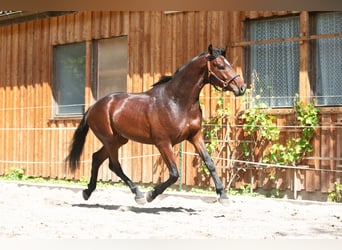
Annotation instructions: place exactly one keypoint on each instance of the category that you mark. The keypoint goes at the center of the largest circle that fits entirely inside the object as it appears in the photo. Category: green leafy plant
(262, 134)
(262, 140)
(244, 189)
(216, 141)
(83, 181)
(15, 173)
(211, 128)
(336, 195)
(296, 148)
(258, 124)
(213, 125)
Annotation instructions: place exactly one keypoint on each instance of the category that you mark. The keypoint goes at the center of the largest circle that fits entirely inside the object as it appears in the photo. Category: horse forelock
(217, 52)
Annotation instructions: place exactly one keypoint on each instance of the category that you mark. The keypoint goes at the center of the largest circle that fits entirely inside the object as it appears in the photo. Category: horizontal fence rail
(229, 163)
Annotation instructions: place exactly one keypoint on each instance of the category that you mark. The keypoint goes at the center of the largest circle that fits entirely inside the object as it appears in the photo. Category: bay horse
(164, 116)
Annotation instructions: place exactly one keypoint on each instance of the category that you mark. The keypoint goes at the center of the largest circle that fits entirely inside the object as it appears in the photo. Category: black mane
(215, 53)
(163, 79)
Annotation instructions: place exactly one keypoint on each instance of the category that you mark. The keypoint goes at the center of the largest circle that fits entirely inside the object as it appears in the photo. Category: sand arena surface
(52, 212)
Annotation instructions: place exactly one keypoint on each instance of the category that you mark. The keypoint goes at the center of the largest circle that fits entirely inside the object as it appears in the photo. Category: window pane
(329, 60)
(70, 78)
(275, 66)
(112, 65)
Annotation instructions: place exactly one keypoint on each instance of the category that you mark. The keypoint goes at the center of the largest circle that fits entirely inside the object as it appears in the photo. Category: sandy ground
(52, 212)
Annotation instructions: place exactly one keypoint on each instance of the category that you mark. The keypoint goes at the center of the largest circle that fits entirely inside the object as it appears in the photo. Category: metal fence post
(180, 166)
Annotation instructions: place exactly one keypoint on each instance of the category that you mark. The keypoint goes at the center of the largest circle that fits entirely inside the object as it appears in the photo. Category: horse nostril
(242, 89)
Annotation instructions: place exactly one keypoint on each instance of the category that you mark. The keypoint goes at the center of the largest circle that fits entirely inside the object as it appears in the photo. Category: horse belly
(133, 129)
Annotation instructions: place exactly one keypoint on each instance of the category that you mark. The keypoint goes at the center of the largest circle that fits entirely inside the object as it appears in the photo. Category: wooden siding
(158, 44)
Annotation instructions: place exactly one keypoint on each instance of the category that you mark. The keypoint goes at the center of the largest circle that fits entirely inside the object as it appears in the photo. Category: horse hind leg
(115, 166)
(98, 158)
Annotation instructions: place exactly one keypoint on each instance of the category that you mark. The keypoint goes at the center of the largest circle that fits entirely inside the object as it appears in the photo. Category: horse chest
(193, 124)
(190, 126)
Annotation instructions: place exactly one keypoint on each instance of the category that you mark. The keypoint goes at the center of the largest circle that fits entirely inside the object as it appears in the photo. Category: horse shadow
(140, 210)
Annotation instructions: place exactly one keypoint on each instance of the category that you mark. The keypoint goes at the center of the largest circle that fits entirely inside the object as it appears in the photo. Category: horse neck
(188, 83)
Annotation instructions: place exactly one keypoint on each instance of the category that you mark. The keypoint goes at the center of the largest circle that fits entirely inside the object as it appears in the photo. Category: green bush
(336, 196)
(15, 173)
(296, 148)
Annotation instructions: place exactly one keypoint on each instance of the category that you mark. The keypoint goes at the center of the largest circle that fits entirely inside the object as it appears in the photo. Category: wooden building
(54, 65)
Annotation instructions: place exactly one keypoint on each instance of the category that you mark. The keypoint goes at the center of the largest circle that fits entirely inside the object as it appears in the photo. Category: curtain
(275, 66)
(329, 60)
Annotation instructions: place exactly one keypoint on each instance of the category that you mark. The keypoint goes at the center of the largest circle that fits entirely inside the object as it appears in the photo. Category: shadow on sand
(138, 210)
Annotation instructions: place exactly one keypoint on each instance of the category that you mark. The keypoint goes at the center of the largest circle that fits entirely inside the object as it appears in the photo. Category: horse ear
(210, 49)
(224, 52)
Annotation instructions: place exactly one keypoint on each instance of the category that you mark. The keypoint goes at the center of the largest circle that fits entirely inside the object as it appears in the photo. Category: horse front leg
(168, 157)
(198, 142)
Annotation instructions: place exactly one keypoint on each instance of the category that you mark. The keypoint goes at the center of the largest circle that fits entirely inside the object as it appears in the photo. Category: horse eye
(220, 67)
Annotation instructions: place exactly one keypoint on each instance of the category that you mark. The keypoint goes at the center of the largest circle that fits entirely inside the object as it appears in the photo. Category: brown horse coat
(164, 116)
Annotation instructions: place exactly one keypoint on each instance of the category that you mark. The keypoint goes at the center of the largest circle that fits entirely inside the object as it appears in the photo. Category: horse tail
(77, 144)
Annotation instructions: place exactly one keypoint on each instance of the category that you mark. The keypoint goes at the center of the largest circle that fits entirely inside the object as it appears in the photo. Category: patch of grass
(209, 190)
(244, 190)
(18, 174)
(15, 173)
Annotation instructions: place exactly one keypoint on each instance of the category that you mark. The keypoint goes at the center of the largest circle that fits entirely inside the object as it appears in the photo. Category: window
(328, 60)
(109, 64)
(69, 79)
(273, 67)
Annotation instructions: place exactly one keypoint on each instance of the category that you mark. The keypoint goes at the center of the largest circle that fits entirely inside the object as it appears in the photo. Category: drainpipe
(295, 184)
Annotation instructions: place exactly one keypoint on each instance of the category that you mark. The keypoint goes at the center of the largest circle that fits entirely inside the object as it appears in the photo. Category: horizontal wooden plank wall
(158, 44)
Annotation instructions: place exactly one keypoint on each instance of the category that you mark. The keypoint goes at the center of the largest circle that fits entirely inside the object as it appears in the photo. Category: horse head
(221, 74)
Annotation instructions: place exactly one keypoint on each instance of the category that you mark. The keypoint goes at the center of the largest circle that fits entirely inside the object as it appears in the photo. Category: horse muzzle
(242, 90)
(238, 90)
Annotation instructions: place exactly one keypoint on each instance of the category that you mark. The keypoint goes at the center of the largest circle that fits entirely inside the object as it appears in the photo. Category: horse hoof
(140, 200)
(85, 195)
(149, 196)
(224, 202)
